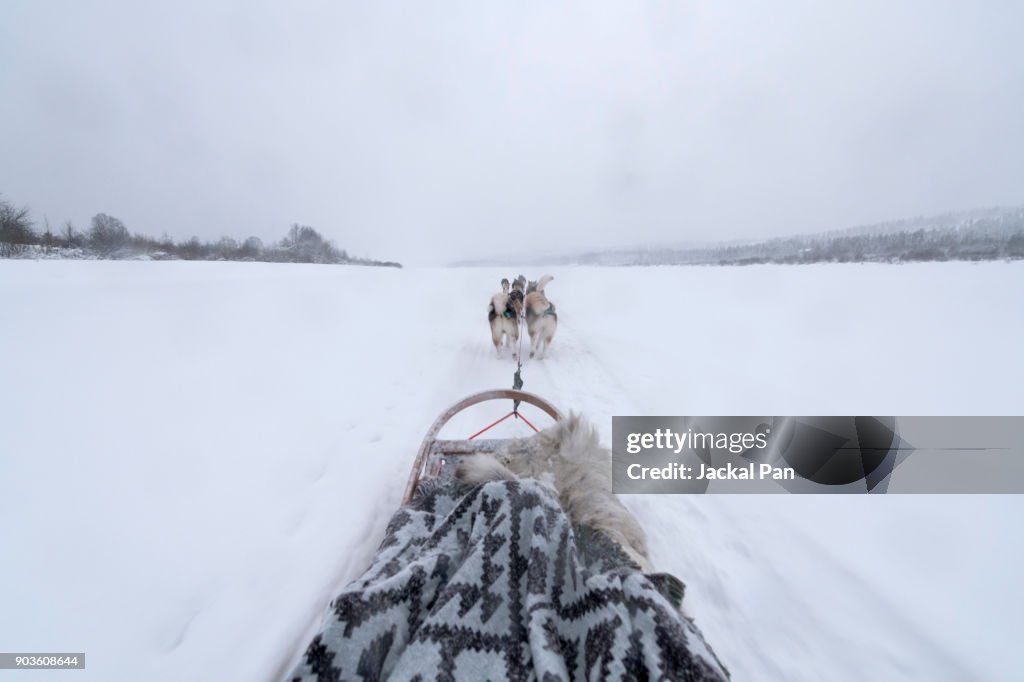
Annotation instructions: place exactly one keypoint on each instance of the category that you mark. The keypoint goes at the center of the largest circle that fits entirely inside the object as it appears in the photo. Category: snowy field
(194, 457)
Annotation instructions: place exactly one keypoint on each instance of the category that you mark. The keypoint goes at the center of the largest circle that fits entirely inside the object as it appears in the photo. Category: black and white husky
(503, 317)
(517, 295)
(541, 318)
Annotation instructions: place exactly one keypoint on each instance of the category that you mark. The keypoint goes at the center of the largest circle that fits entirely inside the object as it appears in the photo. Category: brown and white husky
(503, 317)
(541, 318)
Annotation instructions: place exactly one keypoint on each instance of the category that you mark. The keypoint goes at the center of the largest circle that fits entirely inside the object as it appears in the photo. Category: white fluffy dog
(568, 455)
(541, 318)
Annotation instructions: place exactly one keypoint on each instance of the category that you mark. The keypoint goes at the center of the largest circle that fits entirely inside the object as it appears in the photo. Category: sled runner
(436, 455)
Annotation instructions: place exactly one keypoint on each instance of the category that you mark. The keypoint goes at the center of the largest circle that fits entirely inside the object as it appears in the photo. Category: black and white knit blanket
(494, 583)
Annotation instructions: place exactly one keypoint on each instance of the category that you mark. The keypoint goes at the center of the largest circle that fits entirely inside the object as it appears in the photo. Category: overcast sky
(432, 131)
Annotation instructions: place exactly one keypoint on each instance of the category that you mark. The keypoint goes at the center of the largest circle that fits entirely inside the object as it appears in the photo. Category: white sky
(428, 132)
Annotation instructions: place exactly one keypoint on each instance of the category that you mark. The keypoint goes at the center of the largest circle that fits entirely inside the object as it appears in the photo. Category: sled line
(513, 413)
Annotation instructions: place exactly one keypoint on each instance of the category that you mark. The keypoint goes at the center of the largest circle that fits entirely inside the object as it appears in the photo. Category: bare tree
(305, 245)
(226, 248)
(71, 237)
(108, 234)
(251, 249)
(15, 229)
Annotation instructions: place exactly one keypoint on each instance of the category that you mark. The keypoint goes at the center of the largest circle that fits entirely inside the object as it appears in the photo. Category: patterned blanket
(494, 583)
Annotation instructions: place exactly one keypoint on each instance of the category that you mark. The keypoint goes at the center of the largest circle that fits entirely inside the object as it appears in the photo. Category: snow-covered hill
(977, 235)
(196, 456)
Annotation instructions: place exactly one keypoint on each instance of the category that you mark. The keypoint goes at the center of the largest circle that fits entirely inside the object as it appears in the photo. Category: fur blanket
(493, 582)
(569, 456)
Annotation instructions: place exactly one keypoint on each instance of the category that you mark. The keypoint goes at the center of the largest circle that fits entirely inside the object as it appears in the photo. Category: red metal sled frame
(432, 445)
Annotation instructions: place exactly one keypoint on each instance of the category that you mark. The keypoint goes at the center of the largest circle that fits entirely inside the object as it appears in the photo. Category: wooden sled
(435, 452)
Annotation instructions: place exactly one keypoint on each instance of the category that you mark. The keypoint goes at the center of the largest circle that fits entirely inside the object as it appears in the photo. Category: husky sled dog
(569, 456)
(517, 295)
(541, 318)
(503, 317)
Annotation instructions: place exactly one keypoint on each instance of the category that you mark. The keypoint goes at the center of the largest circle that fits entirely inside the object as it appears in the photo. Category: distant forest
(984, 234)
(109, 239)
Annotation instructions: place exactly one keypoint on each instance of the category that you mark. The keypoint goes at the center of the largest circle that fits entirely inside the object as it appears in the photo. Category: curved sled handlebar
(483, 396)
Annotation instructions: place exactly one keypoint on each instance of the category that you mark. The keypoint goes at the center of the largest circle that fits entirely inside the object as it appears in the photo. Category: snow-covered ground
(194, 457)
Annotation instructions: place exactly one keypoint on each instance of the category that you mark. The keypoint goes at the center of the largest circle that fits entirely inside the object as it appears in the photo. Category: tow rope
(517, 378)
(517, 383)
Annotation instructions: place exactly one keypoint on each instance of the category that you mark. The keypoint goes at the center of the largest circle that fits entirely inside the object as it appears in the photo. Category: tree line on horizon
(980, 235)
(979, 243)
(109, 239)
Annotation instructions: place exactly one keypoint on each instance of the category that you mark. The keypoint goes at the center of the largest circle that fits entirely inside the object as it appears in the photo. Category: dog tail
(543, 282)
